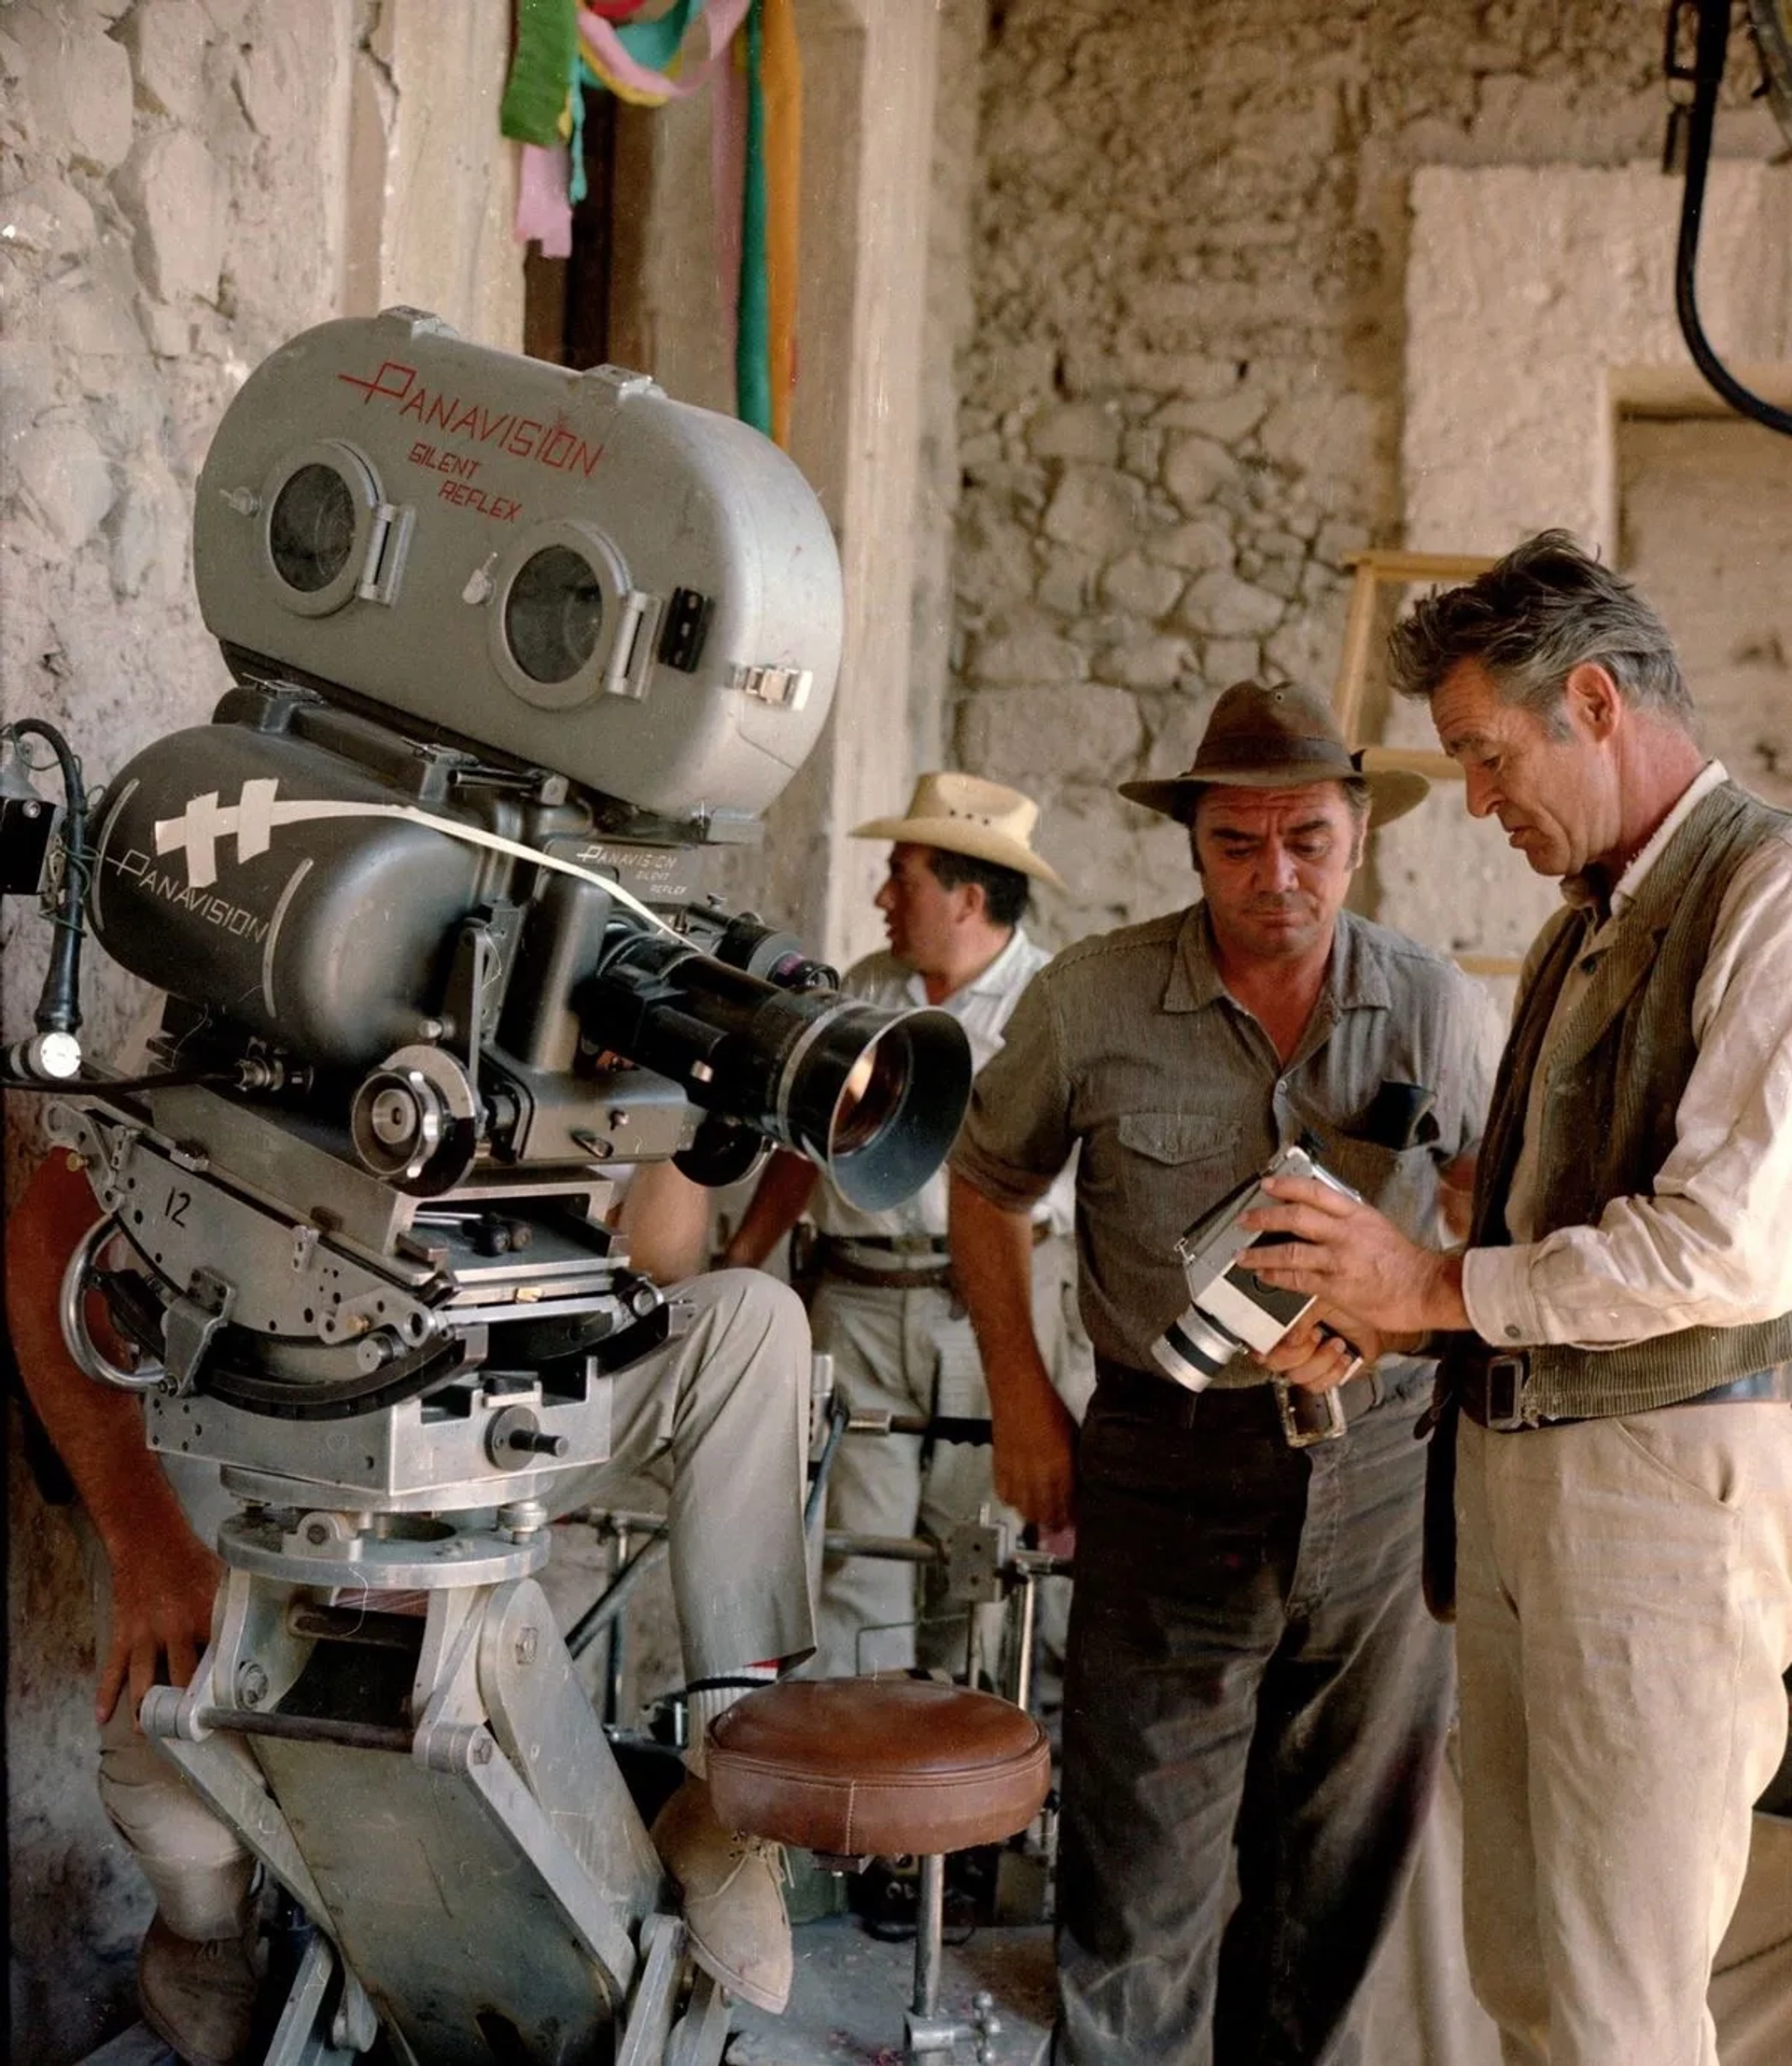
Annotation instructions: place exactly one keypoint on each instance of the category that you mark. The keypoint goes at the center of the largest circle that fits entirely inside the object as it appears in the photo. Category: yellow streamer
(782, 74)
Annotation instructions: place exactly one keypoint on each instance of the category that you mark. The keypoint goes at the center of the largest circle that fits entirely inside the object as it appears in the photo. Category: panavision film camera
(515, 649)
(1230, 1309)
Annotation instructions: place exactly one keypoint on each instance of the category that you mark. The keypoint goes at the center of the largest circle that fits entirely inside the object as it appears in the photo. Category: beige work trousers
(719, 1417)
(1419, 2010)
(912, 1352)
(1624, 1620)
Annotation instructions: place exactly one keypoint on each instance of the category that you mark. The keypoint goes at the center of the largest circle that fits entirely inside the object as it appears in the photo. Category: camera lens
(553, 614)
(1192, 1350)
(311, 529)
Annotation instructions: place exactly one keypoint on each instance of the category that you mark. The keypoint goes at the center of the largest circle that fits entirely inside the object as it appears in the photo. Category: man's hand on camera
(1348, 1254)
(1035, 1458)
(1323, 1351)
(161, 1619)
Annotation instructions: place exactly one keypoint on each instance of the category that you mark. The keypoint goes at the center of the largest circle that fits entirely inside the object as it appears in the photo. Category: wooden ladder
(1373, 571)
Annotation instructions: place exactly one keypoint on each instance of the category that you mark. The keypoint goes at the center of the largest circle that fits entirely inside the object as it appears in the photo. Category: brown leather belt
(834, 1259)
(1492, 1392)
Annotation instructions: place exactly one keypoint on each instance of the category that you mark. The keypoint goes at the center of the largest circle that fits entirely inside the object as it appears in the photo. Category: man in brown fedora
(1254, 1697)
(962, 864)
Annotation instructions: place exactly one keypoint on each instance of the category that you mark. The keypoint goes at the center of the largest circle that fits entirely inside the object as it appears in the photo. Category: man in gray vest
(1615, 1391)
(1251, 1679)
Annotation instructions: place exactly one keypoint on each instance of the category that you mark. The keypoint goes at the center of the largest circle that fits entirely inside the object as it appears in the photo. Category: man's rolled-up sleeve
(1016, 1136)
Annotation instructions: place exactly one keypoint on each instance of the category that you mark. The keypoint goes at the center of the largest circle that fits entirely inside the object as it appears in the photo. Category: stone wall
(1539, 310)
(183, 184)
(1182, 401)
(152, 251)
(152, 248)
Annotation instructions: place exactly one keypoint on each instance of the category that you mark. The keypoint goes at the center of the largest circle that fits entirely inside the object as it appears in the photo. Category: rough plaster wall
(1183, 403)
(173, 209)
(948, 321)
(169, 218)
(1705, 514)
(869, 76)
(1538, 298)
(175, 182)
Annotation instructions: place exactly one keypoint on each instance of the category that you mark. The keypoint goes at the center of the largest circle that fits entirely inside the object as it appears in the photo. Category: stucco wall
(1183, 399)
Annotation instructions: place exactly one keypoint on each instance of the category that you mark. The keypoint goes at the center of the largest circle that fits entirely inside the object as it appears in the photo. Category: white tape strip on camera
(258, 810)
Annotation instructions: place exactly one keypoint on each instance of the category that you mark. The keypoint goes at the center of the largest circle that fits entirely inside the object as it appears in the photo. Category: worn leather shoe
(199, 1997)
(732, 1887)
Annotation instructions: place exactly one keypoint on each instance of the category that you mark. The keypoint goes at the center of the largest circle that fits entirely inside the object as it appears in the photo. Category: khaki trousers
(1624, 1620)
(912, 1352)
(1418, 2009)
(719, 1416)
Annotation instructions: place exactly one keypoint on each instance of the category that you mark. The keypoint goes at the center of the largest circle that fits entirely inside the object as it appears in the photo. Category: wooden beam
(1389, 564)
(1353, 664)
(1416, 760)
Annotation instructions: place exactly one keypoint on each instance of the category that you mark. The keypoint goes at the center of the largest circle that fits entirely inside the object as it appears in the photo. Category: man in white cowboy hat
(1255, 1698)
(960, 868)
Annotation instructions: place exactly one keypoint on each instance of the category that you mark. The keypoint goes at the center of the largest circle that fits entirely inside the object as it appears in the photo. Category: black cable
(1708, 77)
(59, 1002)
(169, 1080)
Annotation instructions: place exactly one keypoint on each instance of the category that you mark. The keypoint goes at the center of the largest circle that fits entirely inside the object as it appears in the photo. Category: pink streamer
(542, 208)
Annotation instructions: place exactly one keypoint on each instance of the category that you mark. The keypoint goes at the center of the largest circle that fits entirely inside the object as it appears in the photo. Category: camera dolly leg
(436, 1792)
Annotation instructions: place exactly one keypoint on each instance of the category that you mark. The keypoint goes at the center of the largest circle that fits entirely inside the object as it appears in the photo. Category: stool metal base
(925, 2032)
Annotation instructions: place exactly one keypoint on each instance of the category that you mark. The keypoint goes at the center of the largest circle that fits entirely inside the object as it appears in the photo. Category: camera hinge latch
(189, 1325)
(788, 687)
(388, 539)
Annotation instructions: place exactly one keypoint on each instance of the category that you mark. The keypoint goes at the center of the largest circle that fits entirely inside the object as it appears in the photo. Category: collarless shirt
(1129, 1047)
(1708, 1246)
(982, 1008)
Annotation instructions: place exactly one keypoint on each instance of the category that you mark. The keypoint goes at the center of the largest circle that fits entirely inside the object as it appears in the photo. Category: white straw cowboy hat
(1281, 738)
(965, 814)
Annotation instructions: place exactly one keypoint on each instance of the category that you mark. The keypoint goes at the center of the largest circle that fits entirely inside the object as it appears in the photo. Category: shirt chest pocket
(1171, 1166)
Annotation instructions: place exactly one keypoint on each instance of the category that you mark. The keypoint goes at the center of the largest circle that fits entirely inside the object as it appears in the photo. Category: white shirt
(982, 1008)
(1711, 1245)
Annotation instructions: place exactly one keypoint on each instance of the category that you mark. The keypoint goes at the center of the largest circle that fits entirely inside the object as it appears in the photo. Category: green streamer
(547, 48)
(752, 324)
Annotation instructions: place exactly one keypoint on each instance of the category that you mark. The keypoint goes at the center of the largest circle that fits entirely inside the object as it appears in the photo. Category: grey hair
(1544, 610)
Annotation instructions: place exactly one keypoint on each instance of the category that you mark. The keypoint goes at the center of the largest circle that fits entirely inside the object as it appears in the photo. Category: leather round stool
(863, 1768)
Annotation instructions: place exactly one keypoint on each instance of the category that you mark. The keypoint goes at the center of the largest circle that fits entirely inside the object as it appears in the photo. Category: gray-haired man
(1622, 1318)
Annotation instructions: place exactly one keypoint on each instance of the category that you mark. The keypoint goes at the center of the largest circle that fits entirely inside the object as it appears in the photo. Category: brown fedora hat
(1281, 738)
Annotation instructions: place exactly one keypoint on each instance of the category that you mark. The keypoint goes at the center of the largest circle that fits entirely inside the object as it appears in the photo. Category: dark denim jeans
(1253, 1683)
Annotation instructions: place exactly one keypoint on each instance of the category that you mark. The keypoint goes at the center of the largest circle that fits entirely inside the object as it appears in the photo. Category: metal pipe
(613, 1656)
(1023, 1610)
(298, 1728)
(929, 1927)
(838, 1421)
(609, 1603)
(893, 1549)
